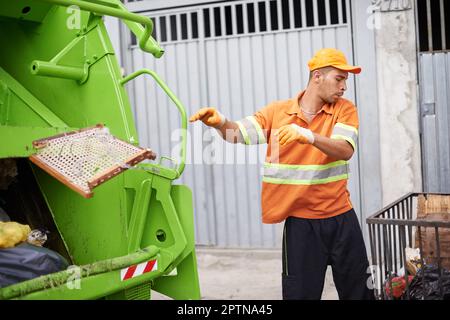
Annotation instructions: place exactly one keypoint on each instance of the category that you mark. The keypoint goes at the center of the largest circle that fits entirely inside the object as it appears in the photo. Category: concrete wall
(398, 104)
(367, 103)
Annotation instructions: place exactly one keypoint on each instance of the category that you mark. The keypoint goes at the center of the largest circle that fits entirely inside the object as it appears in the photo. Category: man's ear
(316, 75)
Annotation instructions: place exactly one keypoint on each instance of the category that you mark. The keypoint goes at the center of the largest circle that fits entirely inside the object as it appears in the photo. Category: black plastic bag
(3, 216)
(25, 262)
(429, 288)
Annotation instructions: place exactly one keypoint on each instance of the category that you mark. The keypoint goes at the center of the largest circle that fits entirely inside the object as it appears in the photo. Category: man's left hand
(292, 132)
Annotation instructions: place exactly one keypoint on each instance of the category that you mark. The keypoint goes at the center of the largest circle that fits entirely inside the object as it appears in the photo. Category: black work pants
(309, 246)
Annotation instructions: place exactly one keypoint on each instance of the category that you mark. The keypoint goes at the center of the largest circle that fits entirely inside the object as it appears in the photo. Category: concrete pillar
(395, 35)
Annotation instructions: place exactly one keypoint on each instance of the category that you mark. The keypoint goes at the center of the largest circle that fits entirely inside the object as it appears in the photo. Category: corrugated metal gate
(237, 56)
(434, 69)
(435, 108)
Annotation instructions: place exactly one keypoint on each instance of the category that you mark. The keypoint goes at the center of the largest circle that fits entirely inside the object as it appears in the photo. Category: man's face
(332, 84)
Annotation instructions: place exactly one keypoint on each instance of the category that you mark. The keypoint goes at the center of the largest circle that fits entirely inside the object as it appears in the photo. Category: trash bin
(409, 248)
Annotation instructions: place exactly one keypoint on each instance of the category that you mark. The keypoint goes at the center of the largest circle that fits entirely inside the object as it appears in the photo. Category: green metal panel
(18, 106)
(21, 9)
(23, 137)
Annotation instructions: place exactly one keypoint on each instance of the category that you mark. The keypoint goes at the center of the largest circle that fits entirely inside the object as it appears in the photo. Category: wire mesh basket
(410, 248)
(86, 158)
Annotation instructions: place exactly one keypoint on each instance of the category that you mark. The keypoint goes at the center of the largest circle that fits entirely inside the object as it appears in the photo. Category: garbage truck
(118, 230)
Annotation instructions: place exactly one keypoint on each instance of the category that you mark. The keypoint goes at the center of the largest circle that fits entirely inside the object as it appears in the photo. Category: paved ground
(244, 275)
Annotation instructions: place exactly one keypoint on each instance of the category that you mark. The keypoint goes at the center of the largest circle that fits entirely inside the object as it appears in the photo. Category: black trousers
(309, 246)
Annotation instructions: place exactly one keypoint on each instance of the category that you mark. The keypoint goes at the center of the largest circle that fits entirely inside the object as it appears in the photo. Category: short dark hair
(323, 70)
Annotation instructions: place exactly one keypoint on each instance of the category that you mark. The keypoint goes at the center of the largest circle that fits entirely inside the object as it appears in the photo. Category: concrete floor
(244, 275)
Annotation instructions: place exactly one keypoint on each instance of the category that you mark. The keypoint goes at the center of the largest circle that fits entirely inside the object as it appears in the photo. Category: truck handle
(116, 9)
(180, 168)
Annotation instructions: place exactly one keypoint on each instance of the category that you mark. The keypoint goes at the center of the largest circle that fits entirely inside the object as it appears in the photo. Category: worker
(310, 140)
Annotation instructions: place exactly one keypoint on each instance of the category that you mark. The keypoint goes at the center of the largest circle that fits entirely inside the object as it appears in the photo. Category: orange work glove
(210, 117)
(293, 132)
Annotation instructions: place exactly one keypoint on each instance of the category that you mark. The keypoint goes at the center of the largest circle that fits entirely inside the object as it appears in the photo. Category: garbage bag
(25, 262)
(3, 216)
(429, 288)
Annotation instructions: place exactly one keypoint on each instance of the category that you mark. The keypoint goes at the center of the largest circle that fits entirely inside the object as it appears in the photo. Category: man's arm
(229, 130)
(337, 149)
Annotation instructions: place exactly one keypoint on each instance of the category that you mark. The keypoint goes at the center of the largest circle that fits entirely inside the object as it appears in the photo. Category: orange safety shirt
(300, 180)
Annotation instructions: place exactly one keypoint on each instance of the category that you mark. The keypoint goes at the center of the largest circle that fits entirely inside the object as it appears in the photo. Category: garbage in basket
(428, 284)
(409, 247)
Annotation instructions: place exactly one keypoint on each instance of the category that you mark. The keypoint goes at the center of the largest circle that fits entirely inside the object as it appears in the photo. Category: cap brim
(351, 69)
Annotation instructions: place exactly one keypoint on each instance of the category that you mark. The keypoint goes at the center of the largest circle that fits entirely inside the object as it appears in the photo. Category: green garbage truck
(60, 78)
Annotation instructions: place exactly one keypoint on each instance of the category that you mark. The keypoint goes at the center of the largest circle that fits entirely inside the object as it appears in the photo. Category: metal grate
(86, 158)
(400, 227)
(246, 17)
(433, 25)
(140, 292)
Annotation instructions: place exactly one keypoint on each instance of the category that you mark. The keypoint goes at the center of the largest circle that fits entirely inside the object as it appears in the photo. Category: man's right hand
(210, 117)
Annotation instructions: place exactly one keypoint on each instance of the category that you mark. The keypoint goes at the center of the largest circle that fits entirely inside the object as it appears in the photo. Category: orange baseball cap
(330, 57)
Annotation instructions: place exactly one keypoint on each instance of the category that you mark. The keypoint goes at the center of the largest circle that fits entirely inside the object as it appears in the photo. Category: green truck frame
(55, 78)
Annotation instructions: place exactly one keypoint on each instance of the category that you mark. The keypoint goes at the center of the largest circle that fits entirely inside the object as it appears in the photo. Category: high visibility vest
(300, 180)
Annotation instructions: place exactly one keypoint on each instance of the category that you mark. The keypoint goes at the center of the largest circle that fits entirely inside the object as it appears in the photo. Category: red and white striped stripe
(138, 270)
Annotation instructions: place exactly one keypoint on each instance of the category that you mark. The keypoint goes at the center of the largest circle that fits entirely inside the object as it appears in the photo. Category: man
(310, 140)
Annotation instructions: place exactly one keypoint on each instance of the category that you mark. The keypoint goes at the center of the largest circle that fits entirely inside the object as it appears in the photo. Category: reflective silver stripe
(252, 131)
(345, 132)
(243, 132)
(306, 175)
(259, 130)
